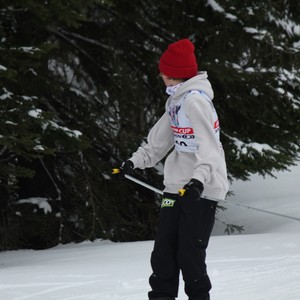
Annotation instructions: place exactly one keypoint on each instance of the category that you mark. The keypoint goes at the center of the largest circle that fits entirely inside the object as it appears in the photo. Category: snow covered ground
(280, 195)
(263, 263)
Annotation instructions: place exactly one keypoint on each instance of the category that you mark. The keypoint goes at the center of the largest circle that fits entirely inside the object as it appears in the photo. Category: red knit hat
(179, 60)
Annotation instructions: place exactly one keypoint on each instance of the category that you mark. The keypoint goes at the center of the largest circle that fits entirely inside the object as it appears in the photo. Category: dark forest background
(79, 91)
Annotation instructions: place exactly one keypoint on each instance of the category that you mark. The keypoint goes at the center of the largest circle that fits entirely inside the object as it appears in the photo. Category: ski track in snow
(241, 267)
(268, 268)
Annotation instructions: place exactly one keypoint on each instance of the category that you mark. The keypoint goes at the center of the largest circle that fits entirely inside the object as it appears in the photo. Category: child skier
(190, 126)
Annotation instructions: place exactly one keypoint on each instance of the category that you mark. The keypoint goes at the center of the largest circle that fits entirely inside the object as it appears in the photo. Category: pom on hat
(179, 60)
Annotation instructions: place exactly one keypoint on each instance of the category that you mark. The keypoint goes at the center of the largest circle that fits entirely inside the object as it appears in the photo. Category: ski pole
(146, 185)
(182, 192)
(263, 211)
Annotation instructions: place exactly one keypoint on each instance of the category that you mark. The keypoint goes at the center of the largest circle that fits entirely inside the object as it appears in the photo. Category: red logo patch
(182, 130)
(216, 124)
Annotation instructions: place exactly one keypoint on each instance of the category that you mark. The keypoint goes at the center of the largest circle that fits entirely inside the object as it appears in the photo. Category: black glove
(126, 167)
(193, 189)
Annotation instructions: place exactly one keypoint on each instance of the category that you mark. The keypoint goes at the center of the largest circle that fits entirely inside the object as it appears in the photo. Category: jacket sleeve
(159, 141)
(200, 112)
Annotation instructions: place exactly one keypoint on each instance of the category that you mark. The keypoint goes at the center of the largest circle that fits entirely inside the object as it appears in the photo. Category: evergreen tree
(80, 91)
(34, 138)
(251, 53)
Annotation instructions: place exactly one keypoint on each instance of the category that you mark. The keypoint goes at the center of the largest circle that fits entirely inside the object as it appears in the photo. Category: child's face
(168, 81)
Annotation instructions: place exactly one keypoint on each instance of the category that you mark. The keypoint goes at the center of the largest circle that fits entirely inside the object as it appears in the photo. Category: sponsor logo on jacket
(182, 130)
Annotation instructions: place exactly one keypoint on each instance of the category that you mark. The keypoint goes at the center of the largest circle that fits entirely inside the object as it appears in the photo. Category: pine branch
(68, 40)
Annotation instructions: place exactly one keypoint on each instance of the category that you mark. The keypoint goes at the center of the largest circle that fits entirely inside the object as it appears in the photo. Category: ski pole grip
(182, 192)
(115, 171)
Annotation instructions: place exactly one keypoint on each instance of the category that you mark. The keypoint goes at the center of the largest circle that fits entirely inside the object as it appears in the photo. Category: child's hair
(177, 79)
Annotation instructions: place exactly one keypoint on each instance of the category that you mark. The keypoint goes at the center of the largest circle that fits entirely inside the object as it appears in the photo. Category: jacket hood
(198, 82)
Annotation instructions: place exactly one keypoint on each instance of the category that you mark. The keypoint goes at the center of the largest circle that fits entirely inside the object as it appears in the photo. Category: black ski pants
(184, 230)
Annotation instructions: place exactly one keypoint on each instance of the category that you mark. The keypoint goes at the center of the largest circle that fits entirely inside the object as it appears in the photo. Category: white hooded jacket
(198, 152)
